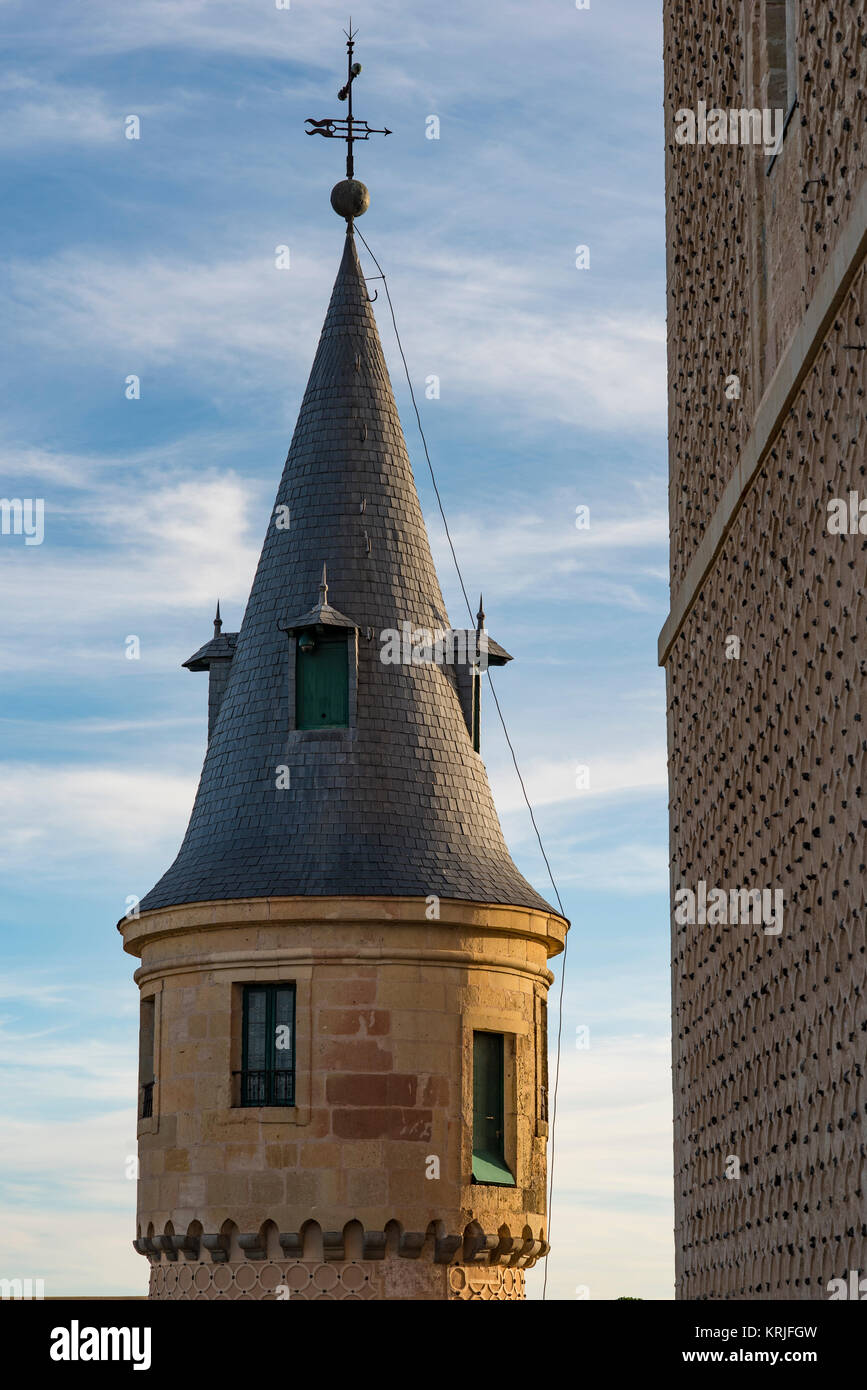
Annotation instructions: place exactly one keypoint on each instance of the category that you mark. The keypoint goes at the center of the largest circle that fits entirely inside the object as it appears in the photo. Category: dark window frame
(269, 1085)
(147, 1051)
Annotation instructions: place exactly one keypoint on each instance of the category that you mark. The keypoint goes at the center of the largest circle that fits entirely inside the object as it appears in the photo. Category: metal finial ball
(350, 198)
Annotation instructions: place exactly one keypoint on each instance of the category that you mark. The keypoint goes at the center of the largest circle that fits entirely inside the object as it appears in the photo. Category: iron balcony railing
(275, 1087)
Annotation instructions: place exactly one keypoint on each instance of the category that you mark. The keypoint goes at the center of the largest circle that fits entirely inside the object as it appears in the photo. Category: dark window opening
(489, 1112)
(477, 711)
(268, 1045)
(321, 680)
(146, 1058)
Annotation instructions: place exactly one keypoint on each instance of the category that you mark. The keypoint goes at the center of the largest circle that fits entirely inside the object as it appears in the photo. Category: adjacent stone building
(766, 641)
(343, 1076)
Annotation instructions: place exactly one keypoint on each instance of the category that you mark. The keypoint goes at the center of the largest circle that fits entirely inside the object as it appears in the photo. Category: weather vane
(349, 198)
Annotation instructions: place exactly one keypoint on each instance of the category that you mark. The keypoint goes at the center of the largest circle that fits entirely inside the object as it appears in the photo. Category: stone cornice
(488, 920)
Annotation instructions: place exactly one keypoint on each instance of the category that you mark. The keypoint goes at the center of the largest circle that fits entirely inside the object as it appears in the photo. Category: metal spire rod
(345, 94)
(350, 129)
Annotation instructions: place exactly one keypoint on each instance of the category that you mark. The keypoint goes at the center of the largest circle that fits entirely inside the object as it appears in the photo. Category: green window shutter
(255, 1025)
(321, 681)
(489, 1115)
(284, 1028)
(268, 1045)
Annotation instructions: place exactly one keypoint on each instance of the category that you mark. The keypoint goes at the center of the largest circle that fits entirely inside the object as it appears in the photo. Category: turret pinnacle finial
(218, 621)
(349, 198)
(323, 588)
(480, 616)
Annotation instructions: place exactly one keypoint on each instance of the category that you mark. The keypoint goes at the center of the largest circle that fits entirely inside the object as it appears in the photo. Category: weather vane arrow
(349, 199)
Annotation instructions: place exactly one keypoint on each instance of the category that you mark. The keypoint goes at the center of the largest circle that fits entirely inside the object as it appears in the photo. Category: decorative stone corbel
(445, 1249)
(189, 1245)
(218, 1246)
(333, 1245)
(528, 1252)
(373, 1245)
(411, 1244)
(477, 1248)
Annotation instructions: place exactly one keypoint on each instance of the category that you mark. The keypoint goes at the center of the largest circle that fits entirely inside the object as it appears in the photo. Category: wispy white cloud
(97, 728)
(551, 781)
(221, 321)
(36, 111)
(629, 869)
(97, 27)
(65, 820)
(509, 557)
(139, 554)
(613, 1205)
(30, 990)
(68, 1202)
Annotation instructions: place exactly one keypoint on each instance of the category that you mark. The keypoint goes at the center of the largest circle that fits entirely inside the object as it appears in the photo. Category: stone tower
(343, 1077)
(764, 647)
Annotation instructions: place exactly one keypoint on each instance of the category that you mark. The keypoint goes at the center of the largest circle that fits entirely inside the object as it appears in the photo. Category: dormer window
(323, 667)
(321, 680)
(215, 657)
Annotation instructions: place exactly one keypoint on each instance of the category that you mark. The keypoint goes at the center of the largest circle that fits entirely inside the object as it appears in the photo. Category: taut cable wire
(382, 277)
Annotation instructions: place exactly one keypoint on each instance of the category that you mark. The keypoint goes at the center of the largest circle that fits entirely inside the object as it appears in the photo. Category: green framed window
(489, 1111)
(268, 1045)
(321, 680)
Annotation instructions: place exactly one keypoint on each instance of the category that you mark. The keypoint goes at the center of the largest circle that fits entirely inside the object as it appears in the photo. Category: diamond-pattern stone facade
(766, 733)
(747, 247)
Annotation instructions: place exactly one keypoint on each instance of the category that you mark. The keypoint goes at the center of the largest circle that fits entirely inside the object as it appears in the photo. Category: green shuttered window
(489, 1115)
(321, 681)
(268, 1058)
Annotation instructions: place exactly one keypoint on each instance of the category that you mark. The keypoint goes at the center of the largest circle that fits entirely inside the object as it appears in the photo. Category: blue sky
(156, 257)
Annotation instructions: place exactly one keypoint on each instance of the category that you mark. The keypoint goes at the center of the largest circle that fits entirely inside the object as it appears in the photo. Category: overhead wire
(382, 277)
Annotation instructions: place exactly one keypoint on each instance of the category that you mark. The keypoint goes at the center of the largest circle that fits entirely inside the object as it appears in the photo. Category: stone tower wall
(333, 1194)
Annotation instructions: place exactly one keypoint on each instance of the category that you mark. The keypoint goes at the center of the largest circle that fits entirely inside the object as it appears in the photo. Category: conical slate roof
(399, 804)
